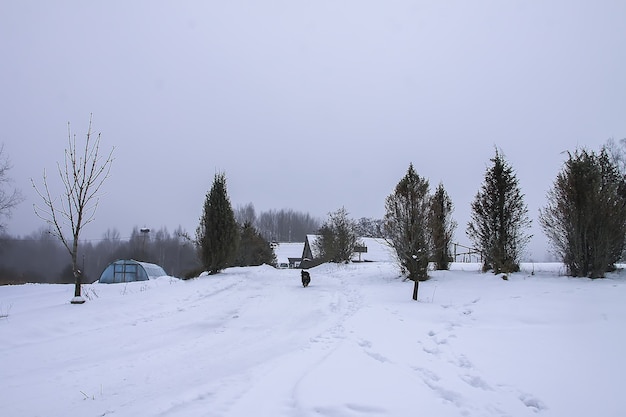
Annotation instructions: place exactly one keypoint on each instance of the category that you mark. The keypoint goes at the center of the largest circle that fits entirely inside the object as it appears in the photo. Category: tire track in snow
(334, 302)
(276, 351)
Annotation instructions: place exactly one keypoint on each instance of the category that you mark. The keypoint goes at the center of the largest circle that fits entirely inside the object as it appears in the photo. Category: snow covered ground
(253, 342)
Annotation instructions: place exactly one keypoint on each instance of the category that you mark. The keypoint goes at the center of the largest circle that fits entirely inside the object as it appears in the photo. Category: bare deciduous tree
(286, 225)
(245, 214)
(9, 198)
(337, 237)
(617, 153)
(82, 175)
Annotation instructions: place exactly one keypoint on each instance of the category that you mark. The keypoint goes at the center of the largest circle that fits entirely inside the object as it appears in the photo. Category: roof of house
(286, 250)
(378, 250)
(312, 246)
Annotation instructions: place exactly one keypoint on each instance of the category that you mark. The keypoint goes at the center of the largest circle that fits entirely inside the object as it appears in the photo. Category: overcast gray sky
(305, 105)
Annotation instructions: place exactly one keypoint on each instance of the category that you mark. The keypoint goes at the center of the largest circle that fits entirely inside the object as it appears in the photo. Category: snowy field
(253, 342)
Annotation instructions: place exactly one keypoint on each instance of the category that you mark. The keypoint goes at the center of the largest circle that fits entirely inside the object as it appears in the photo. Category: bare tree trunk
(78, 299)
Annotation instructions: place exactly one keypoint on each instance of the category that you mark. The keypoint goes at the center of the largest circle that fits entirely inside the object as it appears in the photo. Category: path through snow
(252, 341)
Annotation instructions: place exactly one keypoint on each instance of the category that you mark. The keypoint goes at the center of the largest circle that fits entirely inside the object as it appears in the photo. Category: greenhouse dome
(129, 271)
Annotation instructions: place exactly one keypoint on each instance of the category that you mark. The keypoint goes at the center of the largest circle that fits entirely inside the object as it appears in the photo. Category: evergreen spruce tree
(217, 235)
(585, 218)
(253, 249)
(499, 219)
(441, 228)
(406, 225)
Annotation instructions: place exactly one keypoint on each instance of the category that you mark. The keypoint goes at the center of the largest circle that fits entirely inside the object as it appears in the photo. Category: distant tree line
(284, 225)
(40, 257)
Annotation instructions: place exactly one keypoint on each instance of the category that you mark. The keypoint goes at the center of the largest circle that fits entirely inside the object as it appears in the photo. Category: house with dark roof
(369, 249)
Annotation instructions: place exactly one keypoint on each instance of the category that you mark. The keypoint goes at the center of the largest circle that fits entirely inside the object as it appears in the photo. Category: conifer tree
(218, 234)
(585, 218)
(441, 228)
(406, 225)
(253, 249)
(499, 218)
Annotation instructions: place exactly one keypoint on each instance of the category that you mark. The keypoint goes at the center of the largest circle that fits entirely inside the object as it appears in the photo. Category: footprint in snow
(377, 356)
(533, 403)
(463, 362)
(366, 345)
(439, 341)
(476, 382)
(427, 374)
(431, 350)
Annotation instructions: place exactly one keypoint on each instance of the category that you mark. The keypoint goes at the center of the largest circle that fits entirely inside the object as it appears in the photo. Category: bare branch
(8, 198)
(83, 173)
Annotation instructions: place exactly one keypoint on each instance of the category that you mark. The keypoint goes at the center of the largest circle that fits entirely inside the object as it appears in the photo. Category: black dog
(306, 278)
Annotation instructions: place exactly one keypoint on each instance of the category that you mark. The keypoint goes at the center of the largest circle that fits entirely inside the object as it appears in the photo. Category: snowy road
(254, 342)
